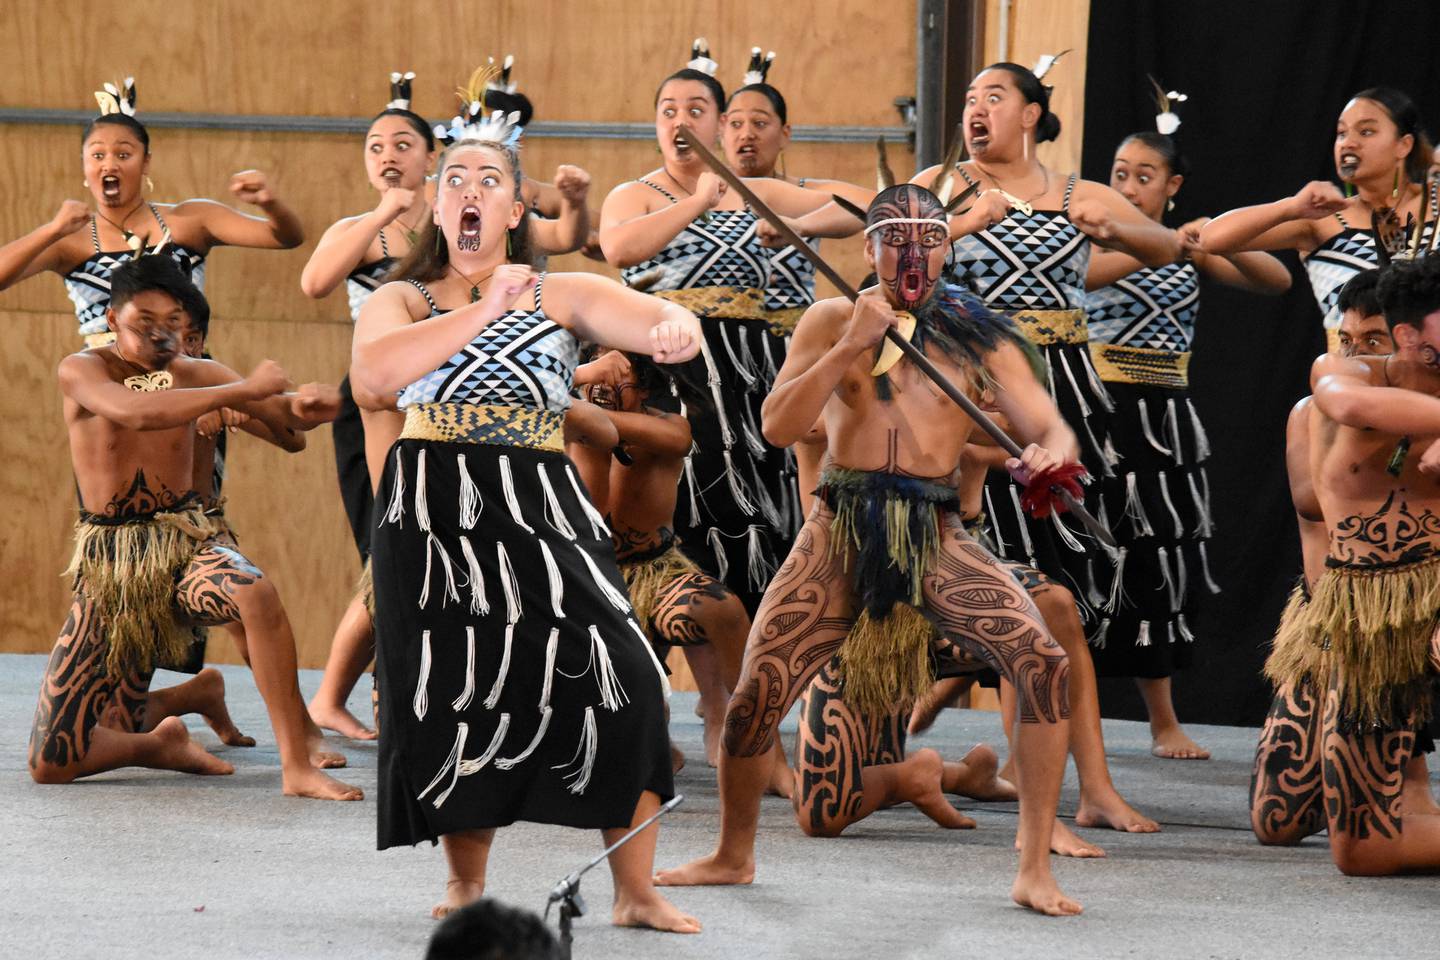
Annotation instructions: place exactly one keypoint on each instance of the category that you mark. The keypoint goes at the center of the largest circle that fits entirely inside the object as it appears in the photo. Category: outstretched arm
(86, 381)
(279, 229)
(1112, 221)
(602, 311)
(1287, 224)
(631, 234)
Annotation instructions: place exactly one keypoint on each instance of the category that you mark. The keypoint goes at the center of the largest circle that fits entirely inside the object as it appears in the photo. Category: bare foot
(677, 758)
(1042, 894)
(944, 693)
(311, 783)
(654, 912)
(179, 752)
(782, 779)
(977, 777)
(707, 872)
(458, 893)
(315, 746)
(1172, 743)
(920, 778)
(210, 688)
(337, 718)
(1065, 843)
(1111, 810)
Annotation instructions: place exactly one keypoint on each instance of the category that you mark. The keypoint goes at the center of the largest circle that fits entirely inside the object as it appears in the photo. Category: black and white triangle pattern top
(1154, 308)
(522, 359)
(367, 278)
(1026, 262)
(1334, 262)
(88, 285)
(722, 251)
(792, 277)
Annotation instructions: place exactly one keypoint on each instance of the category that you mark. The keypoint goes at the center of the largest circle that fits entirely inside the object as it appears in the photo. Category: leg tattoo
(683, 608)
(1363, 771)
(806, 614)
(1285, 790)
(830, 753)
(985, 613)
(78, 693)
(204, 591)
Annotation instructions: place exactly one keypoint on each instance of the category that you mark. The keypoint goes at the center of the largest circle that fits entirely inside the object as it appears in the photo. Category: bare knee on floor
(42, 771)
(1370, 857)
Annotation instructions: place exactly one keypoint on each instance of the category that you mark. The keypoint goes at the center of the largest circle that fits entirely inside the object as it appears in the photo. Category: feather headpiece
(759, 67)
(472, 123)
(1165, 119)
(117, 98)
(400, 90)
(700, 57)
(501, 83)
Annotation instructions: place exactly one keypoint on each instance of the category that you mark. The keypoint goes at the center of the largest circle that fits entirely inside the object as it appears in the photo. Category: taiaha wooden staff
(1071, 502)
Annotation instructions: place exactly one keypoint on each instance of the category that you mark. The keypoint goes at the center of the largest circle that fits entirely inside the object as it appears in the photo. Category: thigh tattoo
(1363, 771)
(829, 753)
(677, 619)
(204, 590)
(983, 612)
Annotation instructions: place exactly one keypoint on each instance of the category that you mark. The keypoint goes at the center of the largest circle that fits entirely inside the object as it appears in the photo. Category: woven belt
(1042, 327)
(1141, 365)
(782, 322)
(732, 303)
(479, 423)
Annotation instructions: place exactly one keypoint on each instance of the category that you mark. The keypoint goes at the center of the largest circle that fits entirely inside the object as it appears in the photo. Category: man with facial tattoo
(148, 564)
(1356, 664)
(883, 570)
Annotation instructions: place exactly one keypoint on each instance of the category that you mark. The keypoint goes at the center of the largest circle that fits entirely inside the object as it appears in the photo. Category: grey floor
(156, 865)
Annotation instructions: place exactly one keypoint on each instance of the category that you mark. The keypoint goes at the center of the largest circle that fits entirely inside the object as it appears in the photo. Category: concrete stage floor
(156, 865)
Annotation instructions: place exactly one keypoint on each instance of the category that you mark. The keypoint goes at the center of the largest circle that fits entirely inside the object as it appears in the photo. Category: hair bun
(1048, 128)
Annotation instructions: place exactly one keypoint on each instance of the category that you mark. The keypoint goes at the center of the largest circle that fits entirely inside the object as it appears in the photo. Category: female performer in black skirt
(1142, 321)
(514, 684)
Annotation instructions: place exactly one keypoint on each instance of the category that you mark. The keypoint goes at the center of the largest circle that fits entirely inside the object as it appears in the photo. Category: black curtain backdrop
(1266, 82)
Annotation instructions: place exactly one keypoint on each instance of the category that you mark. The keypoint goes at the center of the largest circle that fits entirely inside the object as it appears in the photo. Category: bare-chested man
(147, 566)
(1365, 641)
(678, 604)
(887, 543)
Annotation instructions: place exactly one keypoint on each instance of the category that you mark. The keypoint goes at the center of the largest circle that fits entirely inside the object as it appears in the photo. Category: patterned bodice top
(721, 250)
(88, 285)
(792, 277)
(1154, 308)
(1334, 262)
(1035, 261)
(522, 359)
(367, 278)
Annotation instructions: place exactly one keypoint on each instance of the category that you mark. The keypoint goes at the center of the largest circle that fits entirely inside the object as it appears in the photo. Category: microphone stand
(567, 891)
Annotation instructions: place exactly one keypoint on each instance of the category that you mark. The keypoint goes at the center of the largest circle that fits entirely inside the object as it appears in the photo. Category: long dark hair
(1406, 117)
(1048, 126)
(119, 120)
(429, 258)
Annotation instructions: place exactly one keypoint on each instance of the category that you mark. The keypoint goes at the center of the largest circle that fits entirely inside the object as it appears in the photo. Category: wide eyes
(929, 239)
(454, 180)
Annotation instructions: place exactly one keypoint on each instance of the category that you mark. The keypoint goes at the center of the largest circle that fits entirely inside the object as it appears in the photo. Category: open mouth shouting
(979, 133)
(110, 187)
(1349, 164)
(912, 283)
(469, 238)
(391, 176)
(682, 145)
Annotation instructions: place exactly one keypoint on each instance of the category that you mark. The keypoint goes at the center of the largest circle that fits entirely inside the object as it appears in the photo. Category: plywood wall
(268, 56)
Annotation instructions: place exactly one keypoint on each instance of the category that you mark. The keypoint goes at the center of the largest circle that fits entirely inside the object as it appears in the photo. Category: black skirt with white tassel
(739, 505)
(514, 684)
(1059, 545)
(1158, 504)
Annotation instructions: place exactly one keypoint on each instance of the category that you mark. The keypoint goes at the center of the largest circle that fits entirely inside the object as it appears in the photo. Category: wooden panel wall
(223, 56)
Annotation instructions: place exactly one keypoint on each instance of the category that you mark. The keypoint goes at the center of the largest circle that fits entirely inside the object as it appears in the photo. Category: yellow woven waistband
(1141, 365)
(479, 423)
(1043, 327)
(104, 339)
(733, 303)
(782, 322)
